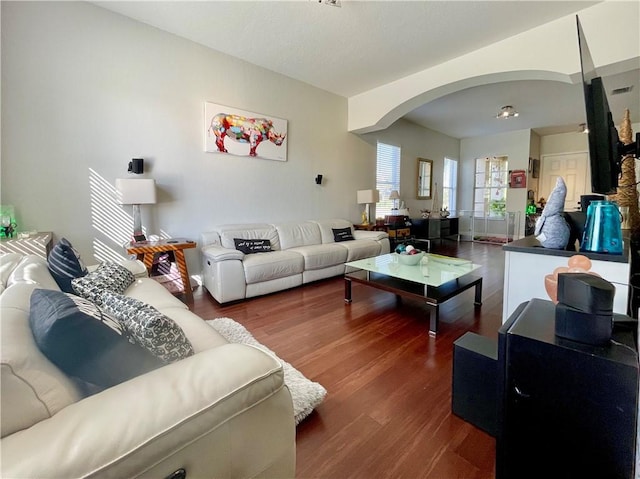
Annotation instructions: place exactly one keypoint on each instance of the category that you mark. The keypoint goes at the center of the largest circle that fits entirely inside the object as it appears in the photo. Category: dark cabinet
(566, 409)
(434, 228)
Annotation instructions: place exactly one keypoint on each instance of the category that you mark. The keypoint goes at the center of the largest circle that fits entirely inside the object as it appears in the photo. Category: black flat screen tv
(605, 152)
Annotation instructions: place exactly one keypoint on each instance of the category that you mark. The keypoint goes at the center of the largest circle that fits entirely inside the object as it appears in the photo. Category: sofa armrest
(370, 235)
(224, 412)
(218, 253)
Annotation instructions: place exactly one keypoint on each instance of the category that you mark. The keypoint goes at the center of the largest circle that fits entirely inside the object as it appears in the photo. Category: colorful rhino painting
(243, 128)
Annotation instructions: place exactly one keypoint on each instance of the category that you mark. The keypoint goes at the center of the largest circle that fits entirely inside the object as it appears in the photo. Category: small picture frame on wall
(517, 179)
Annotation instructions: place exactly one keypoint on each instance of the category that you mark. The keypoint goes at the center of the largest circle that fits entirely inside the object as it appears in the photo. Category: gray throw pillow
(148, 327)
(89, 345)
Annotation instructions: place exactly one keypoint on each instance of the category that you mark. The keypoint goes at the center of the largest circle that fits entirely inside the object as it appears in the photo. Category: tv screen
(605, 155)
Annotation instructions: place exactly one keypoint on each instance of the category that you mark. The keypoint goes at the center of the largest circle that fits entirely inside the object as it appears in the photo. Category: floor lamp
(366, 197)
(136, 192)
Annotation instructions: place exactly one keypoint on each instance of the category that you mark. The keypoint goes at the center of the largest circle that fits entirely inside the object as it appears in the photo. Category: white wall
(416, 142)
(84, 90)
(516, 146)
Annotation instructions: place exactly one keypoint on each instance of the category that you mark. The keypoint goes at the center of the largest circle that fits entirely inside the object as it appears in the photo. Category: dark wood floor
(387, 413)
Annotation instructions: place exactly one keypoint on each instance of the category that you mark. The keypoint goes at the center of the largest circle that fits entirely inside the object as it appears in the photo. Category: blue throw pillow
(65, 265)
(84, 342)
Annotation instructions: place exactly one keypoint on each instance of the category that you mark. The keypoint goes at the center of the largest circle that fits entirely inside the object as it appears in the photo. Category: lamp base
(137, 221)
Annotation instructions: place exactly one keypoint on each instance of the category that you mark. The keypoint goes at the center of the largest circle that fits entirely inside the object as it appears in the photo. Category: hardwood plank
(388, 408)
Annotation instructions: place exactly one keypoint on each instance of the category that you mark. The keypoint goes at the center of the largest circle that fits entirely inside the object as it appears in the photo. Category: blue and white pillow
(108, 277)
(148, 327)
(65, 265)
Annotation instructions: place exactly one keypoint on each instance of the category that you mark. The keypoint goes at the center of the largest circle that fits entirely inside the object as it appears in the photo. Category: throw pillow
(84, 342)
(342, 234)
(107, 277)
(248, 246)
(65, 265)
(148, 327)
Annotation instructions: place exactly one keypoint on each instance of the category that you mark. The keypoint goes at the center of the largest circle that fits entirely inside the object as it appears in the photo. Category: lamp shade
(394, 195)
(368, 196)
(136, 191)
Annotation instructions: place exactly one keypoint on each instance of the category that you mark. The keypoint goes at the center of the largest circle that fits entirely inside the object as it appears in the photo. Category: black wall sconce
(136, 165)
(319, 180)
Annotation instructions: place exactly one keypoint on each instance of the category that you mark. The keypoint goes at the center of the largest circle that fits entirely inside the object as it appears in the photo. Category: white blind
(387, 176)
(450, 184)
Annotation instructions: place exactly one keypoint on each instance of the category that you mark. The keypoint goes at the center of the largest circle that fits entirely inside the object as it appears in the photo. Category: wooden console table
(146, 251)
(36, 243)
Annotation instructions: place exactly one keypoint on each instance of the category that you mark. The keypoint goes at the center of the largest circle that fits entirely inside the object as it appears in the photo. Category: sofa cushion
(361, 249)
(320, 256)
(327, 227)
(342, 234)
(85, 342)
(249, 246)
(148, 327)
(32, 387)
(249, 231)
(302, 233)
(65, 264)
(108, 277)
(272, 265)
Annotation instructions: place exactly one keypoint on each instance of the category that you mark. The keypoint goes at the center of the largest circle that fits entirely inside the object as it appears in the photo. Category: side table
(146, 251)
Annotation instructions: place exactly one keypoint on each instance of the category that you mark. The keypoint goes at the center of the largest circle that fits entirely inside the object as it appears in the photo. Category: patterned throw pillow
(148, 327)
(342, 234)
(108, 277)
(65, 265)
(248, 246)
(84, 342)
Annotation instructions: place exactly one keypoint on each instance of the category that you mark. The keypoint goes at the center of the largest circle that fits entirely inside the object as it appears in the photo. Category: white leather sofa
(301, 252)
(223, 412)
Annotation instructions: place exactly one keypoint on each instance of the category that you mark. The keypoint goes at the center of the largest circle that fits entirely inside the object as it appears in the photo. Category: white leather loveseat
(299, 253)
(224, 411)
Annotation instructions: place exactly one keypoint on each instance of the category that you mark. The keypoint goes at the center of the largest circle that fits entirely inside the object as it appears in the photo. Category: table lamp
(366, 197)
(136, 192)
(395, 196)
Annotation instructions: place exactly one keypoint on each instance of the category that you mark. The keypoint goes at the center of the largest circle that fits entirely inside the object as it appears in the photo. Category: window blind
(387, 176)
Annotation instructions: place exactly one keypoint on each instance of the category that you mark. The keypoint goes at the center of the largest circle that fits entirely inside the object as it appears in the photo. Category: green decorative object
(7, 221)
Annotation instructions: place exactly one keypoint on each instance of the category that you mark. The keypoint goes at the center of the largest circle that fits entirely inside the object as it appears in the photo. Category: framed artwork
(244, 133)
(517, 179)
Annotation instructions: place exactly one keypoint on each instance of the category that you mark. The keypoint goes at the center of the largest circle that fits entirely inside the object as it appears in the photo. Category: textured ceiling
(363, 45)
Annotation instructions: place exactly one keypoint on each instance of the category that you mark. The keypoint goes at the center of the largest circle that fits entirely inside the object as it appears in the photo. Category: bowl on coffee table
(410, 259)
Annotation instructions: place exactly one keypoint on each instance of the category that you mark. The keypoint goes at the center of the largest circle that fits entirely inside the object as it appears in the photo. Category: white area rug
(305, 393)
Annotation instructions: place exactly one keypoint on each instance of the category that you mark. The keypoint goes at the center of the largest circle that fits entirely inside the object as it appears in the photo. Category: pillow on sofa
(84, 342)
(65, 265)
(148, 327)
(342, 234)
(108, 277)
(248, 246)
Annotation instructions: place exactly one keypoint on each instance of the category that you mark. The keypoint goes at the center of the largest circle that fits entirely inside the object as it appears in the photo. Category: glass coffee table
(434, 280)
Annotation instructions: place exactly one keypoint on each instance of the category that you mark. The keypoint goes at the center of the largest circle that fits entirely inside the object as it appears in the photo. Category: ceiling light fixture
(507, 112)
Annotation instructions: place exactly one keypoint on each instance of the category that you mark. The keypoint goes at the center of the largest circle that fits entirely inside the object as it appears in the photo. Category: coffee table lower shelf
(433, 296)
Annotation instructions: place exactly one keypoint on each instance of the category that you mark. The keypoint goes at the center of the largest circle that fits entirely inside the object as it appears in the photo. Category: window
(450, 184)
(387, 176)
(490, 191)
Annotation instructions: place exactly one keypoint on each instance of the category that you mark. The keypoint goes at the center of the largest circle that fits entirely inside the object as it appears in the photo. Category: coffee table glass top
(433, 269)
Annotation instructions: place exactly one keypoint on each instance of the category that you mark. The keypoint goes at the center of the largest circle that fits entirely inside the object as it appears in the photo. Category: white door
(573, 168)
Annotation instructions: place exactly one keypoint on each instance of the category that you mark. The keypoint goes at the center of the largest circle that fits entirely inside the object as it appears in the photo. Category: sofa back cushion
(228, 234)
(32, 269)
(301, 233)
(33, 389)
(327, 226)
